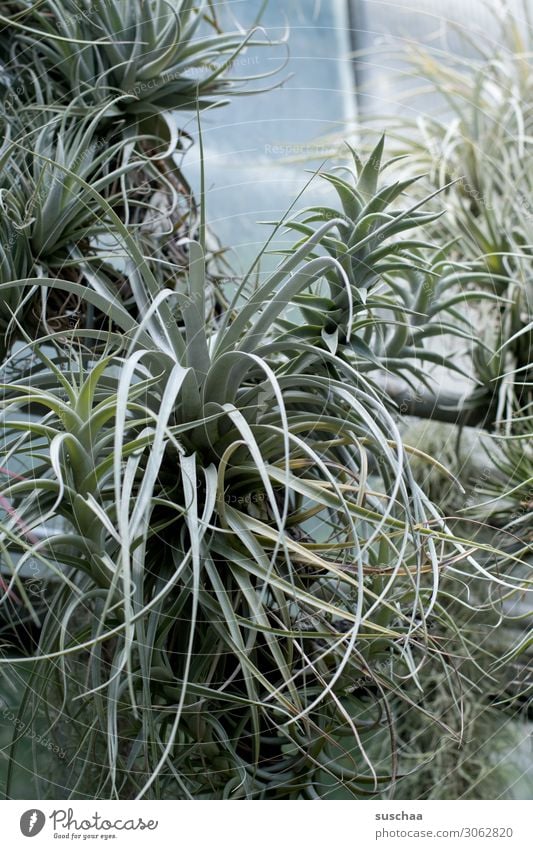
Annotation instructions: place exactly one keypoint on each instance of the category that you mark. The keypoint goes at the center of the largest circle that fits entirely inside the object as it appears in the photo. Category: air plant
(242, 591)
(94, 90)
(153, 56)
(477, 149)
(62, 230)
(398, 291)
(232, 565)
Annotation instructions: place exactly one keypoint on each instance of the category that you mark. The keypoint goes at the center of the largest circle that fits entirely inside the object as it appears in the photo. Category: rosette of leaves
(396, 292)
(477, 148)
(230, 568)
(154, 55)
(52, 162)
(56, 168)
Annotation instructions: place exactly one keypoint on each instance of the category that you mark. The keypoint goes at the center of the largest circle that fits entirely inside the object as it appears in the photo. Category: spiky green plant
(241, 579)
(232, 565)
(476, 146)
(59, 228)
(138, 59)
(398, 291)
(93, 90)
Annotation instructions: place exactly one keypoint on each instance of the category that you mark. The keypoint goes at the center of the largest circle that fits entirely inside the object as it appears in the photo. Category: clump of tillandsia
(478, 150)
(88, 91)
(60, 214)
(46, 164)
(49, 166)
(155, 56)
(247, 568)
(396, 292)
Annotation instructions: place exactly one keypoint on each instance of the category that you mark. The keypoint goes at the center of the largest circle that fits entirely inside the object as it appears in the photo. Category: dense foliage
(243, 589)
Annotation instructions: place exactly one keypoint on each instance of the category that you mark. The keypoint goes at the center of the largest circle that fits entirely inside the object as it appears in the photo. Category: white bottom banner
(328, 825)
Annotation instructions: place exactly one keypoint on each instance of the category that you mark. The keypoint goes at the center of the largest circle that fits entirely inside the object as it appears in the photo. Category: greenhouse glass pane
(250, 143)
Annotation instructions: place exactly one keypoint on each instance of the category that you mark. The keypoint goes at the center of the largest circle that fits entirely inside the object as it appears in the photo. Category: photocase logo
(32, 822)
